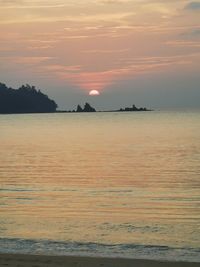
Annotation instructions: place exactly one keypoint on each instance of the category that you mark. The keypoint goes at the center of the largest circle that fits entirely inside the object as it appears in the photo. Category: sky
(143, 52)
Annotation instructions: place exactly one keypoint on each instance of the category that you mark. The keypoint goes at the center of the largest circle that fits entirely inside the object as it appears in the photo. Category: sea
(121, 184)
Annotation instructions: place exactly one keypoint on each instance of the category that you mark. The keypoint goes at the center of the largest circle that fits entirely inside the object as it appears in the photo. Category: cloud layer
(97, 44)
(193, 6)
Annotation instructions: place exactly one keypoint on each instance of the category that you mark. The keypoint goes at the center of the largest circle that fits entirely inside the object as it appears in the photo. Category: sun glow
(94, 93)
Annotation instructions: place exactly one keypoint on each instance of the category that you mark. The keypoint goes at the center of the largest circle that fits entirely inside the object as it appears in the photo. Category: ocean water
(102, 184)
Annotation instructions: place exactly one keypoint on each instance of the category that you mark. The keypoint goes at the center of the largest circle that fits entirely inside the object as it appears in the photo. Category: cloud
(62, 68)
(193, 6)
(193, 33)
(183, 43)
(114, 2)
(24, 61)
(88, 79)
(28, 4)
(11, 2)
(104, 51)
(36, 16)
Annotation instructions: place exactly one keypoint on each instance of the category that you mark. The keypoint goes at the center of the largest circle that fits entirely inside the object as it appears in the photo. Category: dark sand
(16, 260)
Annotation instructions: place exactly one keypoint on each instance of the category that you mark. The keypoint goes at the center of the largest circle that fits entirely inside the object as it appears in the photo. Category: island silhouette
(27, 99)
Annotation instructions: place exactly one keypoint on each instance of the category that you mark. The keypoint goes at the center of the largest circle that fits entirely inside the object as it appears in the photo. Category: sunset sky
(145, 52)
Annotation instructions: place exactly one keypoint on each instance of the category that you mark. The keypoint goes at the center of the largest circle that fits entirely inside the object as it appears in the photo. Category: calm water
(116, 184)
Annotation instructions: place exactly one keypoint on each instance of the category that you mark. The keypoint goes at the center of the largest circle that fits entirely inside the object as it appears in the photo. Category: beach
(14, 260)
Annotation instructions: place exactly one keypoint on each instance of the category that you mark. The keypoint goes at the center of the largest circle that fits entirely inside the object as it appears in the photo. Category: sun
(94, 93)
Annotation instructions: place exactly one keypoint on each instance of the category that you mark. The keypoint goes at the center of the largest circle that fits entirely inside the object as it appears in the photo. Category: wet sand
(15, 260)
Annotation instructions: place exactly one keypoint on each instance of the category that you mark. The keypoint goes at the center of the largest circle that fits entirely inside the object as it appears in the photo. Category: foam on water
(47, 247)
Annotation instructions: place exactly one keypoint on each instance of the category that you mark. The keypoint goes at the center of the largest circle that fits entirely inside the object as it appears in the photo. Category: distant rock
(79, 109)
(87, 108)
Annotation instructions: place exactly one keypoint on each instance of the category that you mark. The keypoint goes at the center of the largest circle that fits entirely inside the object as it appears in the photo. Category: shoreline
(75, 112)
(22, 260)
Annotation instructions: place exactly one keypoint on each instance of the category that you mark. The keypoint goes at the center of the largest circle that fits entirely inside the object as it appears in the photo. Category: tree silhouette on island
(26, 99)
(133, 108)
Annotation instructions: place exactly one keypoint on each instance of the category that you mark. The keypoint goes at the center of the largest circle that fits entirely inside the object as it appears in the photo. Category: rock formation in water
(26, 99)
(87, 108)
(79, 109)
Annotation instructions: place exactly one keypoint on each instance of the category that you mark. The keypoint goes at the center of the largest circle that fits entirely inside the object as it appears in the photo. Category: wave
(136, 251)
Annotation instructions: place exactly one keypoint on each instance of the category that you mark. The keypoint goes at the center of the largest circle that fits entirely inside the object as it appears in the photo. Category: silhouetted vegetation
(133, 108)
(26, 99)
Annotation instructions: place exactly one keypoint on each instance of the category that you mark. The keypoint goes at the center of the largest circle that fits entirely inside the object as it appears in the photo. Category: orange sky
(95, 44)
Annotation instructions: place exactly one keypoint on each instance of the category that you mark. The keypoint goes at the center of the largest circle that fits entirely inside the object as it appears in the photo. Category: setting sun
(94, 93)
(99, 133)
